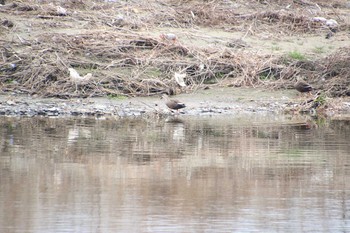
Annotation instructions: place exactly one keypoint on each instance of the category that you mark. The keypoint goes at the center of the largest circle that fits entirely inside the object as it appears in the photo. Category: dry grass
(123, 62)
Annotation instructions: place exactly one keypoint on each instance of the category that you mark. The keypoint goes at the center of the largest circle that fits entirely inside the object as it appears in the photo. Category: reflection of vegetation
(9, 126)
(267, 134)
(144, 140)
(209, 131)
(293, 153)
(321, 121)
(214, 133)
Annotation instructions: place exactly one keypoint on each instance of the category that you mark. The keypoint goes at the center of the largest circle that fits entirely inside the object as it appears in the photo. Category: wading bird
(173, 104)
(302, 86)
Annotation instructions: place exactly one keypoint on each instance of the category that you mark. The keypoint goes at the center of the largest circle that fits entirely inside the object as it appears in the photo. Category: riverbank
(218, 101)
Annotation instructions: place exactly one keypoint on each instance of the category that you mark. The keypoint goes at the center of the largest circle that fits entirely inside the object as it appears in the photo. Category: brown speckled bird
(173, 104)
(302, 86)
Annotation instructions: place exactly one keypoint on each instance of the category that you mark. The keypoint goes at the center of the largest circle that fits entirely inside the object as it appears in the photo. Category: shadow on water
(180, 174)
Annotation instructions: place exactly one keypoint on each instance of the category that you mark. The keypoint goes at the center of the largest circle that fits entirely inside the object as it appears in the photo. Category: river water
(247, 173)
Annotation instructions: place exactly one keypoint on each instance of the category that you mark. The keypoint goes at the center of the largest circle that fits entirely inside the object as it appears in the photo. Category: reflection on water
(214, 174)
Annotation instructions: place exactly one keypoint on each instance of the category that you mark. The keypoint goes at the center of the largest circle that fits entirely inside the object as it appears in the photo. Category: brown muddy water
(248, 173)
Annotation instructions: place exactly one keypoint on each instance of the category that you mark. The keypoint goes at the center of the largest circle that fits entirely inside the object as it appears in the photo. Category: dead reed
(124, 62)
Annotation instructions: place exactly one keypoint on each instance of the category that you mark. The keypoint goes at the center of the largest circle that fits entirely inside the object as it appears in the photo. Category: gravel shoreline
(212, 102)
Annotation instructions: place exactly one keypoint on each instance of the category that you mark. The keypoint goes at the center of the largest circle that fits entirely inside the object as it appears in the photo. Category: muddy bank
(205, 102)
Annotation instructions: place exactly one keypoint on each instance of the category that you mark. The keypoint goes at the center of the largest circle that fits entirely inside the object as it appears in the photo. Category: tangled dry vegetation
(124, 61)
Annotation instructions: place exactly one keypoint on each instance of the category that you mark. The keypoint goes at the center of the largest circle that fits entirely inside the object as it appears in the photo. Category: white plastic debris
(75, 76)
(331, 23)
(168, 36)
(328, 22)
(88, 76)
(179, 78)
(319, 19)
(61, 11)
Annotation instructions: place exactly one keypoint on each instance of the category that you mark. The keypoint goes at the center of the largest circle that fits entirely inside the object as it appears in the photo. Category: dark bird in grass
(173, 104)
(302, 86)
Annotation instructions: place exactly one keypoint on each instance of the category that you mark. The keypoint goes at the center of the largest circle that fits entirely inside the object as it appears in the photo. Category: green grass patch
(10, 81)
(321, 99)
(296, 55)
